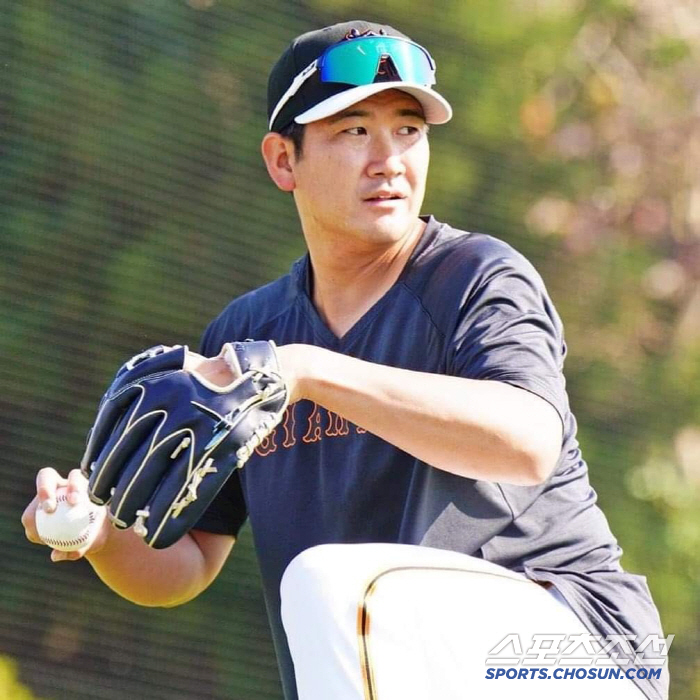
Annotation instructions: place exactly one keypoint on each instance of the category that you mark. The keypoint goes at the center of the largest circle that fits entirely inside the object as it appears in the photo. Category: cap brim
(436, 108)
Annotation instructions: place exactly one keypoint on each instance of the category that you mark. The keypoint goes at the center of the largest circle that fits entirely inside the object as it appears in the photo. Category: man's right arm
(160, 577)
(145, 576)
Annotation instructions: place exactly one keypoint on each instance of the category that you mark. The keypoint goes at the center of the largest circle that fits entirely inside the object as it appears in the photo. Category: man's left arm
(480, 429)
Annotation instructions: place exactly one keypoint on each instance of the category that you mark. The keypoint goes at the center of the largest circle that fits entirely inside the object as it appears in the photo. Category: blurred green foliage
(10, 686)
(135, 204)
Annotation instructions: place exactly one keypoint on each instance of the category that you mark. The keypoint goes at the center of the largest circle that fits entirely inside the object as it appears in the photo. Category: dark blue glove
(165, 440)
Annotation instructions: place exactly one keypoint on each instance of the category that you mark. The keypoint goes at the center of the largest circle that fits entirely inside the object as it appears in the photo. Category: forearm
(152, 577)
(477, 429)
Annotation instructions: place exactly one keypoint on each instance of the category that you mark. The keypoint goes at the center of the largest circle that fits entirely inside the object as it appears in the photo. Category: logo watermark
(580, 650)
(561, 673)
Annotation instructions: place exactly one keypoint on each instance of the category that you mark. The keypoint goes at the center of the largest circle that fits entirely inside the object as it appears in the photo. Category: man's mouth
(384, 197)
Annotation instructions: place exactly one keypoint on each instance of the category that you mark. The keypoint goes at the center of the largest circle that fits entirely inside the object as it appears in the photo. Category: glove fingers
(182, 498)
(124, 391)
(144, 472)
(113, 414)
(119, 451)
(160, 358)
(116, 514)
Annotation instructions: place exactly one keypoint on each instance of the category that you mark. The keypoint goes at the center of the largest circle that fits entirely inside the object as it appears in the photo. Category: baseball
(69, 527)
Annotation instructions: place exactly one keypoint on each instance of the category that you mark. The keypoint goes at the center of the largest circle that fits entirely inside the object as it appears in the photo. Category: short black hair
(295, 132)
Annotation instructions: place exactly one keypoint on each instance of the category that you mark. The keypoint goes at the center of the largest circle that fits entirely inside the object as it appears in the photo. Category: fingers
(94, 545)
(48, 481)
(76, 489)
(28, 522)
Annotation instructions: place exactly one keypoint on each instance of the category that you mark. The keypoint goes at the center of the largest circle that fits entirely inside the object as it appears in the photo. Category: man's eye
(356, 130)
(408, 130)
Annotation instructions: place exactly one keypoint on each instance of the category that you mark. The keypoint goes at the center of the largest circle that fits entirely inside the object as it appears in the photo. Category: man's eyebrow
(405, 112)
(349, 113)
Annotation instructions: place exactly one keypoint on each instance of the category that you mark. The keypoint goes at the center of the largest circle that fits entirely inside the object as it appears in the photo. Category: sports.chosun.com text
(562, 673)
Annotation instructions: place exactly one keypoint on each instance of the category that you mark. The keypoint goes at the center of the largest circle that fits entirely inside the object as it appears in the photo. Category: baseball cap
(326, 70)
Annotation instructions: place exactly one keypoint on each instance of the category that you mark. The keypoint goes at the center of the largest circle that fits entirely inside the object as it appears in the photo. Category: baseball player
(423, 493)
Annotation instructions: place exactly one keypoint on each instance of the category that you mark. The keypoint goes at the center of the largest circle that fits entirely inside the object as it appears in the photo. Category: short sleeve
(228, 510)
(509, 331)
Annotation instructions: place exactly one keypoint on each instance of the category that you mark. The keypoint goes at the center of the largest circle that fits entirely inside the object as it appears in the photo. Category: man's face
(362, 172)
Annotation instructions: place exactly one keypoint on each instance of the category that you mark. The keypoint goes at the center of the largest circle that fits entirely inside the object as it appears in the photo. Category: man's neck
(347, 283)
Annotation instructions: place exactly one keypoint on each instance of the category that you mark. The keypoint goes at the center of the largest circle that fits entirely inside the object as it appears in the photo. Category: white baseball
(69, 527)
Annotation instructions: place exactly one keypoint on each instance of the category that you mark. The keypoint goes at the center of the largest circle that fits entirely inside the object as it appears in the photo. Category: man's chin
(392, 226)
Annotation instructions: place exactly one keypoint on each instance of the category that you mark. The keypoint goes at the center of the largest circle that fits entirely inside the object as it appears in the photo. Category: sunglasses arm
(298, 81)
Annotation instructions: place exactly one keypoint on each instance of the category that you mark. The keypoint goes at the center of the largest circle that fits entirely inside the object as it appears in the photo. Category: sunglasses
(361, 60)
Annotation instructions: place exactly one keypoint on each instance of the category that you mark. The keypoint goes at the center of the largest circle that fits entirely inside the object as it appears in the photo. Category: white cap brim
(436, 108)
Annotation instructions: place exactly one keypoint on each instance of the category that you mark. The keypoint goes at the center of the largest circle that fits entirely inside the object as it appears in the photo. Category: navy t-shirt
(467, 305)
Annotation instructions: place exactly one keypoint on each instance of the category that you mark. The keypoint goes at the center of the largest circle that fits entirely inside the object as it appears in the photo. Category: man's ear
(277, 152)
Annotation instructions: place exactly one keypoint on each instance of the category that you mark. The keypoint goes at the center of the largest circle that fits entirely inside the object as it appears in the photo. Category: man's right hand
(48, 481)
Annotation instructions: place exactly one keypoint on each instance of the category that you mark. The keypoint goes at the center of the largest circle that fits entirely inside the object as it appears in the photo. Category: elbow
(539, 470)
(169, 603)
(530, 461)
(176, 603)
(515, 465)
(149, 602)
(157, 601)
(540, 462)
(542, 447)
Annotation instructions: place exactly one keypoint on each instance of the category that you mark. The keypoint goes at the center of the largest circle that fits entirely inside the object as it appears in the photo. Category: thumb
(214, 372)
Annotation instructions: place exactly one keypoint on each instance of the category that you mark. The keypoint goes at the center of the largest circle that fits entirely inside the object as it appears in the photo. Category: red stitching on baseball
(52, 541)
(63, 498)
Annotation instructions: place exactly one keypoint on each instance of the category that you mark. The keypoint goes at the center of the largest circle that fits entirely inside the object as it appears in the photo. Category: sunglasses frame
(317, 65)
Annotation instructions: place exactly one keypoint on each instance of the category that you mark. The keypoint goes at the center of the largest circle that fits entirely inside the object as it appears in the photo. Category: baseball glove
(165, 440)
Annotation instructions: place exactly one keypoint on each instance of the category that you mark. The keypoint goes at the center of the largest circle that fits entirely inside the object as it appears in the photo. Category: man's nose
(386, 160)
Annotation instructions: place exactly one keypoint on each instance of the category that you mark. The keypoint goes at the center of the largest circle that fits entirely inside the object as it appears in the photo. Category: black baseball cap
(314, 99)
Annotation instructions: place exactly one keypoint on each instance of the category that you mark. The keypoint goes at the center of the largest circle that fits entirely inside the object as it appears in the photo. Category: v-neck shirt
(467, 305)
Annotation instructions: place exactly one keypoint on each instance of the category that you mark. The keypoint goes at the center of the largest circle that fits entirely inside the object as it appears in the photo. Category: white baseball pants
(402, 622)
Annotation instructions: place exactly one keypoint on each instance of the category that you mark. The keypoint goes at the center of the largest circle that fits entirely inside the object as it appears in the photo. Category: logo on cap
(355, 34)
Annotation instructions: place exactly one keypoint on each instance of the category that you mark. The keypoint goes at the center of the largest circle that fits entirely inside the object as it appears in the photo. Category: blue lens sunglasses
(359, 61)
